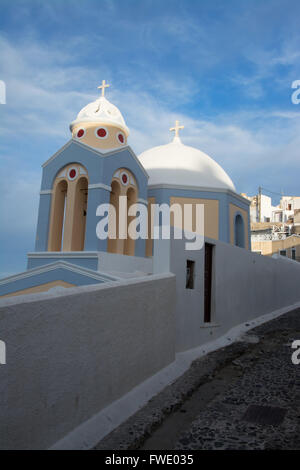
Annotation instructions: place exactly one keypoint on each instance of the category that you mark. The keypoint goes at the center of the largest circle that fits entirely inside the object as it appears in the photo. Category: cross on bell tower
(176, 128)
(103, 86)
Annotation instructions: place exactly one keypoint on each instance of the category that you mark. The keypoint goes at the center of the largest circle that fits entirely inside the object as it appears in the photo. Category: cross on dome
(176, 128)
(103, 86)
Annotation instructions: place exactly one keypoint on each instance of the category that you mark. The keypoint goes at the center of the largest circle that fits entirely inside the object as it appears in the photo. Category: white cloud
(46, 92)
(19, 201)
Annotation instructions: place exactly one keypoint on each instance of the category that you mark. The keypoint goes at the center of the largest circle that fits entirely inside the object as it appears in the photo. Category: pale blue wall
(100, 170)
(242, 205)
(89, 263)
(41, 241)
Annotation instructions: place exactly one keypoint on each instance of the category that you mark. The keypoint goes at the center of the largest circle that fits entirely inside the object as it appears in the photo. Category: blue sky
(223, 68)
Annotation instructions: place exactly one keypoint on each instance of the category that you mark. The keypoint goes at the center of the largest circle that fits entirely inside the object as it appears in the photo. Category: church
(101, 321)
(97, 166)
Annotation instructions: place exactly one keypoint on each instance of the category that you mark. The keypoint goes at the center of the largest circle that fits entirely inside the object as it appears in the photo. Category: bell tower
(96, 167)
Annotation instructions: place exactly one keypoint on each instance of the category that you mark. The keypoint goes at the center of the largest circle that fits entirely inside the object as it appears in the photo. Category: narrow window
(190, 270)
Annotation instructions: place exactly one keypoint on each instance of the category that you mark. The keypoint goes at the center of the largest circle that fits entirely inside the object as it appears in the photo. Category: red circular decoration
(80, 133)
(72, 173)
(101, 132)
(121, 138)
(124, 178)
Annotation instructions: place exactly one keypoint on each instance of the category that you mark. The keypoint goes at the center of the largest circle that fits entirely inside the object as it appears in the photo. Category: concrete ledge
(20, 299)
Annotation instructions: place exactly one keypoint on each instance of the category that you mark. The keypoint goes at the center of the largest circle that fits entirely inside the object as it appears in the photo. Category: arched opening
(130, 242)
(239, 231)
(80, 211)
(123, 194)
(69, 209)
(113, 244)
(58, 216)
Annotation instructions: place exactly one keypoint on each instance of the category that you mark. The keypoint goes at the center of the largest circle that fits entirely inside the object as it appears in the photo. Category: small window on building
(289, 207)
(190, 270)
(282, 252)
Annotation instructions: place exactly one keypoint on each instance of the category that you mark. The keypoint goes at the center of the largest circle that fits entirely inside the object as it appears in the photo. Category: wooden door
(208, 281)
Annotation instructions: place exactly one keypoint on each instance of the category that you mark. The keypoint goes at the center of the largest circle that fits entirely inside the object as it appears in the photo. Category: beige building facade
(289, 247)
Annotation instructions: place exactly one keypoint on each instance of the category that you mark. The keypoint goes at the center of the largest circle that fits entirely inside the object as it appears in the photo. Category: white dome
(179, 164)
(101, 111)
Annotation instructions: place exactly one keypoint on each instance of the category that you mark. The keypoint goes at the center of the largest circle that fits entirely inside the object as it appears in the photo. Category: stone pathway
(206, 407)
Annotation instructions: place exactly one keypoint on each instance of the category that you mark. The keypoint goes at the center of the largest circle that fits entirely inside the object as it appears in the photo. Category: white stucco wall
(266, 207)
(245, 286)
(114, 262)
(71, 354)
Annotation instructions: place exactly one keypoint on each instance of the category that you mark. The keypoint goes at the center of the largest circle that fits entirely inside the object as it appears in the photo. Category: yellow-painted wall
(109, 142)
(211, 214)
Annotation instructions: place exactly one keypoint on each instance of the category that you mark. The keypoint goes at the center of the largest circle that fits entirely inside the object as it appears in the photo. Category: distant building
(261, 209)
(275, 229)
(271, 240)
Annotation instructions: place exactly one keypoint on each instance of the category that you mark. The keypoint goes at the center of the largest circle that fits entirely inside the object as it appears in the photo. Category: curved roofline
(88, 115)
(175, 163)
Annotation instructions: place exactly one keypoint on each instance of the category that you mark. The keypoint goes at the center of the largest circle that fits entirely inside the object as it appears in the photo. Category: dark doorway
(208, 281)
